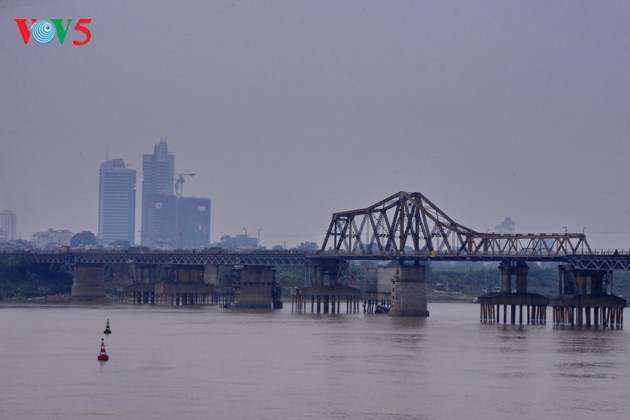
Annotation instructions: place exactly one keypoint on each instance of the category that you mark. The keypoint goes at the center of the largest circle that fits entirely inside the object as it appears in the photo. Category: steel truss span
(175, 257)
(404, 226)
(409, 224)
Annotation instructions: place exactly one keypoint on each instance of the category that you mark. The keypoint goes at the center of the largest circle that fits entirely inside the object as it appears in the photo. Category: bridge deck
(594, 260)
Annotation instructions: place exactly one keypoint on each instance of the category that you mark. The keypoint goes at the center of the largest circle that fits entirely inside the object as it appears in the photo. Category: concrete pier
(535, 305)
(176, 294)
(409, 291)
(169, 284)
(378, 289)
(326, 294)
(583, 299)
(326, 299)
(88, 282)
(254, 287)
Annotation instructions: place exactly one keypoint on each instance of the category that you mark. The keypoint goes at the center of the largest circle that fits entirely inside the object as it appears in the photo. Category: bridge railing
(609, 252)
(522, 253)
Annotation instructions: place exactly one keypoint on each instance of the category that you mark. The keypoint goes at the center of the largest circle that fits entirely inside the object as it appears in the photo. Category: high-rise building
(8, 225)
(116, 202)
(506, 226)
(160, 222)
(52, 239)
(193, 222)
(158, 214)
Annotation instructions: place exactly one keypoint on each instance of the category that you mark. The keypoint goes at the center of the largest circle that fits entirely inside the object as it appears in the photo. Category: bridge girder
(169, 258)
(409, 223)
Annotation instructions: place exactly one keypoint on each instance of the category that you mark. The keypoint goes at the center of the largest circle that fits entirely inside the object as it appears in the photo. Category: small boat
(103, 356)
(107, 329)
(381, 309)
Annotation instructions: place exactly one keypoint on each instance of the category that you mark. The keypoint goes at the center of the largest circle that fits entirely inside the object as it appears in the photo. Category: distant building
(52, 239)
(158, 175)
(159, 222)
(116, 202)
(507, 226)
(8, 225)
(193, 222)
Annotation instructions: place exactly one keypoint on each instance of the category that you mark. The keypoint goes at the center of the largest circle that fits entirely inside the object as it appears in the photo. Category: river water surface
(208, 362)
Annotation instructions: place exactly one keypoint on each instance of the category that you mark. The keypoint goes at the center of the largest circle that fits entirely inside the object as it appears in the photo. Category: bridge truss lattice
(410, 224)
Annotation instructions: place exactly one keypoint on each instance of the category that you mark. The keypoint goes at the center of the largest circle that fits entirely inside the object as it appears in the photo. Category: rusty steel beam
(409, 223)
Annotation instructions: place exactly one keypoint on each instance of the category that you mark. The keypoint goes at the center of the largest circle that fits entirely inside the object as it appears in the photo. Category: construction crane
(179, 184)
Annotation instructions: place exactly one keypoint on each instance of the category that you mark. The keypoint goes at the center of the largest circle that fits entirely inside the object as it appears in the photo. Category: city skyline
(289, 112)
(170, 219)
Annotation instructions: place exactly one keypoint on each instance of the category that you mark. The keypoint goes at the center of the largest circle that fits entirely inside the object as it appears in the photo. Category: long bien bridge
(405, 227)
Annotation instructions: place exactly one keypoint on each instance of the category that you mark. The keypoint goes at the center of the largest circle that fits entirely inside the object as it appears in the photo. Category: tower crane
(179, 184)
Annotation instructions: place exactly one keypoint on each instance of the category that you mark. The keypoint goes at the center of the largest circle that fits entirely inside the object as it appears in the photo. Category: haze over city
(288, 111)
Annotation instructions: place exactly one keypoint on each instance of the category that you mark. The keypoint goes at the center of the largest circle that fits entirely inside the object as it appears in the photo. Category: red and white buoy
(103, 356)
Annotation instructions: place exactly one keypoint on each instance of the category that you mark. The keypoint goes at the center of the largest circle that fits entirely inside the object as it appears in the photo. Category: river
(209, 362)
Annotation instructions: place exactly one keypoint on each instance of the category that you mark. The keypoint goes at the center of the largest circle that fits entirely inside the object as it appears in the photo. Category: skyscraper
(193, 222)
(116, 202)
(8, 225)
(158, 200)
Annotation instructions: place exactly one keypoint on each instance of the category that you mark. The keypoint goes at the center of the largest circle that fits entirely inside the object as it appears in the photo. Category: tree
(307, 246)
(84, 238)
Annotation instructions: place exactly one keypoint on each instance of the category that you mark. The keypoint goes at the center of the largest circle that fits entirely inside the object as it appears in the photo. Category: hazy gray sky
(288, 111)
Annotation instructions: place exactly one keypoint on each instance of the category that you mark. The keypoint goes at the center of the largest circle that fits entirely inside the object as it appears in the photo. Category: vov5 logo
(44, 31)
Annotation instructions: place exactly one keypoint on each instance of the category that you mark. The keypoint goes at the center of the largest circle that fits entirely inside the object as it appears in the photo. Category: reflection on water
(194, 362)
(592, 354)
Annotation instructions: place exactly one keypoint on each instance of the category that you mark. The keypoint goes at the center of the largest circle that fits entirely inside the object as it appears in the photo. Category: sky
(289, 111)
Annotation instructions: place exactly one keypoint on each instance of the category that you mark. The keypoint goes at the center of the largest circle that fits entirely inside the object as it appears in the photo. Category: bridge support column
(211, 274)
(255, 287)
(521, 270)
(88, 282)
(326, 289)
(581, 290)
(510, 268)
(505, 268)
(378, 288)
(536, 305)
(409, 291)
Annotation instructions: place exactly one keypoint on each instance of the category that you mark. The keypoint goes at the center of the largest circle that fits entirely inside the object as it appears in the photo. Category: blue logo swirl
(43, 31)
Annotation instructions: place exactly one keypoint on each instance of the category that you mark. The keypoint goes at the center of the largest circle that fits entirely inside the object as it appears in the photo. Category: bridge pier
(409, 291)
(255, 287)
(583, 291)
(168, 284)
(378, 289)
(490, 303)
(325, 292)
(88, 282)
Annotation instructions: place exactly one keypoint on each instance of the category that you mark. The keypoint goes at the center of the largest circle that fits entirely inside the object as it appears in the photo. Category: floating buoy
(107, 329)
(103, 356)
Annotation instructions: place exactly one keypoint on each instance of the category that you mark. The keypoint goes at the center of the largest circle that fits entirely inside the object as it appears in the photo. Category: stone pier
(255, 287)
(88, 282)
(409, 291)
